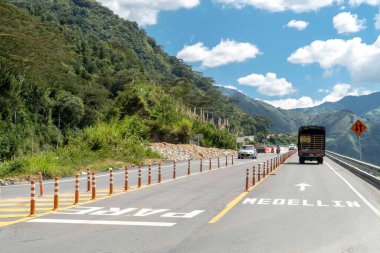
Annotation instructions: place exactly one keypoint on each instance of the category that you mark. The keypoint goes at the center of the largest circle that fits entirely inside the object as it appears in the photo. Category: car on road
(248, 151)
(292, 146)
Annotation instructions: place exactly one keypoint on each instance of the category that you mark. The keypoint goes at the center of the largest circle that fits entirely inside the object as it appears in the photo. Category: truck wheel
(302, 161)
(320, 161)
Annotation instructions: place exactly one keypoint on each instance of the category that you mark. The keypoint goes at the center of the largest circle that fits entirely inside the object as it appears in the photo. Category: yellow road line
(236, 201)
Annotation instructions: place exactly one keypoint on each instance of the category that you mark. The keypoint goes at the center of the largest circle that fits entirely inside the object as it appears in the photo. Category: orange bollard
(258, 172)
(159, 173)
(226, 160)
(32, 198)
(253, 176)
(56, 187)
(139, 178)
(41, 184)
(201, 166)
(111, 181)
(88, 180)
(93, 190)
(188, 167)
(149, 174)
(76, 200)
(218, 162)
(263, 169)
(209, 164)
(247, 181)
(232, 161)
(126, 179)
(174, 169)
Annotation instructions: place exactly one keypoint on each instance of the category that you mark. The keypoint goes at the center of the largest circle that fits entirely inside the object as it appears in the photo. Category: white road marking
(300, 202)
(302, 186)
(370, 206)
(104, 222)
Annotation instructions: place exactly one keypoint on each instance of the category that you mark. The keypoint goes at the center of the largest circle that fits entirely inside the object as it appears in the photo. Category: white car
(292, 146)
(247, 151)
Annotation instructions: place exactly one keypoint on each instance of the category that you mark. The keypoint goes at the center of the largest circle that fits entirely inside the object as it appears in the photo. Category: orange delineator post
(174, 169)
(32, 198)
(253, 176)
(88, 180)
(159, 173)
(226, 160)
(56, 192)
(209, 164)
(218, 162)
(41, 184)
(76, 200)
(139, 178)
(232, 160)
(258, 172)
(111, 181)
(149, 174)
(93, 189)
(188, 167)
(201, 166)
(126, 179)
(247, 181)
(263, 169)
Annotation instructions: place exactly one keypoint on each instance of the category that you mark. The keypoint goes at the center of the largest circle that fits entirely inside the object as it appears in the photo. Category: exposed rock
(181, 152)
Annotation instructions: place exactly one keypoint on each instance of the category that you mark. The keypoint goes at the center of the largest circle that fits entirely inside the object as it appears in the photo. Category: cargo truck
(311, 143)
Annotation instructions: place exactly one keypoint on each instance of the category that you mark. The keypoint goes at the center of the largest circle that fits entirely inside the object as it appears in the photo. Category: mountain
(80, 84)
(337, 117)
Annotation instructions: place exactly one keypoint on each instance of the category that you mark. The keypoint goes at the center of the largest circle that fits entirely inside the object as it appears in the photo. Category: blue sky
(248, 45)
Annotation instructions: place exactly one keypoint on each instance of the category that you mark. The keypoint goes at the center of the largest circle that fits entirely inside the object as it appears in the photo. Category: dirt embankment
(181, 152)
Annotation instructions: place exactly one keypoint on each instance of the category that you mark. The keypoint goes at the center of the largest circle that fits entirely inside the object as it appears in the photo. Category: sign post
(358, 127)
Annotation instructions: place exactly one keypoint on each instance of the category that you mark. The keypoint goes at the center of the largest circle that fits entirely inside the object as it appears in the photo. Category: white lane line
(377, 212)
(104, 222)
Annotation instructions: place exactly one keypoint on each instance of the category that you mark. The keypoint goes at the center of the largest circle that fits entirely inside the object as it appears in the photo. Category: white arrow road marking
(104, 222)
(302, 186)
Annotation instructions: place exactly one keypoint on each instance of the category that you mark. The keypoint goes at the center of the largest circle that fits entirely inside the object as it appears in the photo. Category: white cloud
(145, 12)
(362, 60)
(298, 24)
(268, 85)
(346, 22)
(227, 51)
(360, 2)
(377, 21)
(338, 92)
(281, 5)
(230, 87)
(292, 103)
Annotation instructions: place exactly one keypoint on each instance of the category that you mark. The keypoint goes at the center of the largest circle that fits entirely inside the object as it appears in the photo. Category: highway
(297, 208)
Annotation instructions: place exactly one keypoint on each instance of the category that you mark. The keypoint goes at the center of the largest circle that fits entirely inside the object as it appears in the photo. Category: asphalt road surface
(297, 208)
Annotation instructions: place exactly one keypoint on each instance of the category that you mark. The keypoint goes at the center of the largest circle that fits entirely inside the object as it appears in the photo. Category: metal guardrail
(368, 171)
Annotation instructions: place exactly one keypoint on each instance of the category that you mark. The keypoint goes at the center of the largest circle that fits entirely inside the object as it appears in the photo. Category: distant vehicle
(311, 143)
(292, 146)
(247, 151)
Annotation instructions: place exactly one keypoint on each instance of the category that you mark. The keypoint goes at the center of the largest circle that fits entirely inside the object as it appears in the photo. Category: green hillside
(79, 85)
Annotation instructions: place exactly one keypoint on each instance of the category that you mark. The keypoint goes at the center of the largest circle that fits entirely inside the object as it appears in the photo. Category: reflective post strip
(88, 180)
(32, 198)
(111, 181)
(56, 192)
(159, 173)
(174, 169)
(126, 178)
(139, 178)
(247, 181)
(41, 184)
(253, 175)
(76, 201)
(149, 174)
(93, 195)
(188, 167)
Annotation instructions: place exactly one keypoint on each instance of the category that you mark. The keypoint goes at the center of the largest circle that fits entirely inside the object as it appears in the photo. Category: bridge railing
(366, 170)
